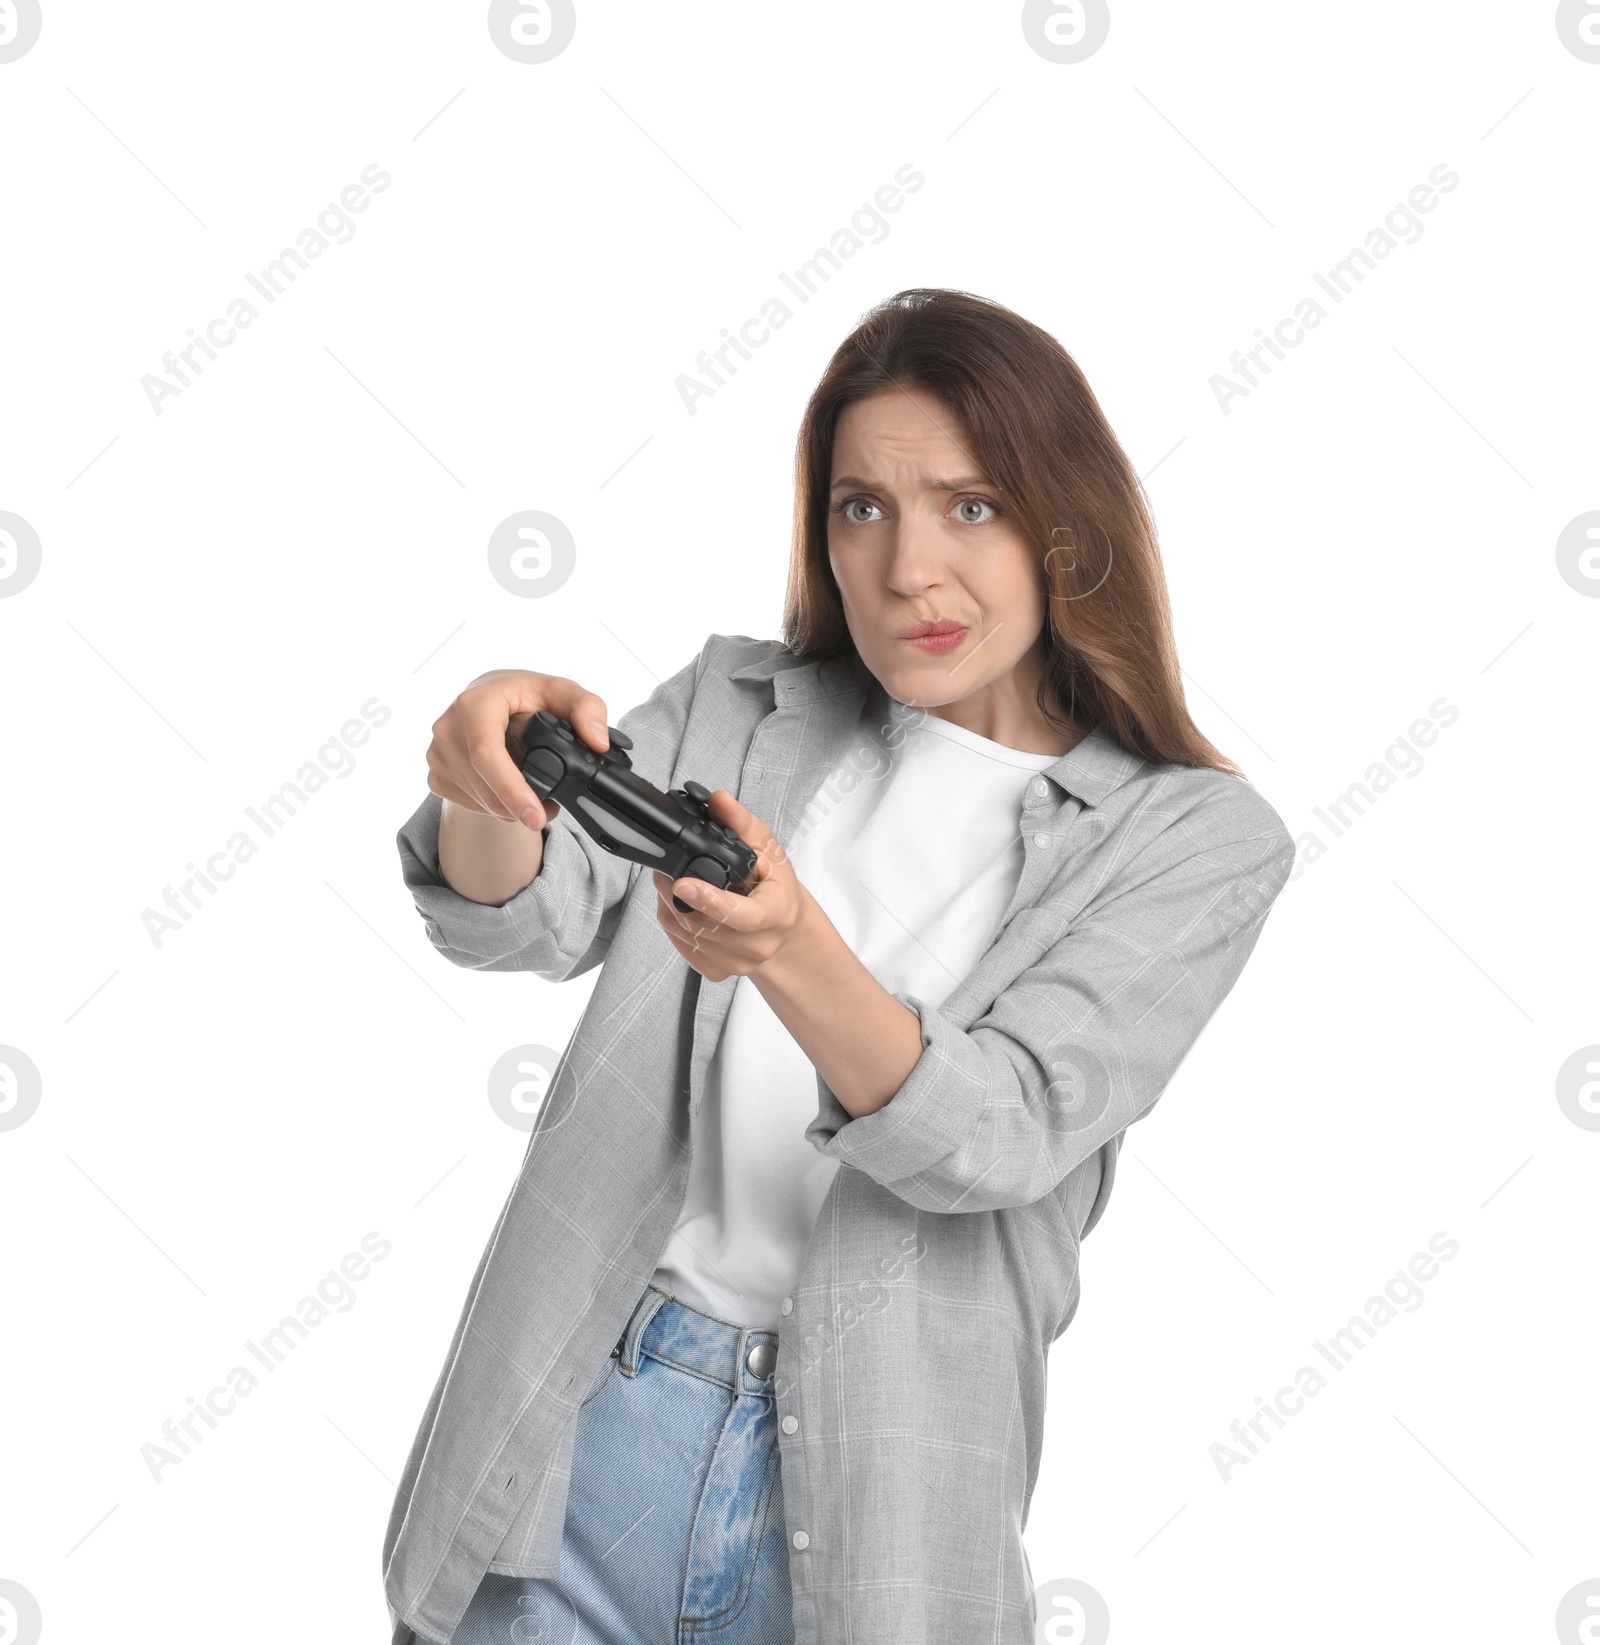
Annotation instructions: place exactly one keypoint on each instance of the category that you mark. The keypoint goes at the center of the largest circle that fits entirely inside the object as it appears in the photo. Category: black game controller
(628, 816)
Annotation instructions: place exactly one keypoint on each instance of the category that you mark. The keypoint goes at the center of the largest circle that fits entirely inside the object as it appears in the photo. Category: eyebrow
(965, 483)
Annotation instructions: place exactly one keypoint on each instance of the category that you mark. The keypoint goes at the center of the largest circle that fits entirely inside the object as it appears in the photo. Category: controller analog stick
(544, 767)
(707, 869)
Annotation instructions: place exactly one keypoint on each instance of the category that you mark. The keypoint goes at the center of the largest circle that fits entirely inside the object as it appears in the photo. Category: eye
(968, 510)
(849, 508)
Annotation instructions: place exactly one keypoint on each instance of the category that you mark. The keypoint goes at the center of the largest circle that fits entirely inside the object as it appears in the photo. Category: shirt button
(1042, 841)
(790, 1424)
(788, 1305)
(1041, 787)
(801, 1540)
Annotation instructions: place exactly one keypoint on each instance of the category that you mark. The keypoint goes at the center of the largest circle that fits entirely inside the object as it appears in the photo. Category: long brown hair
(1038, 432)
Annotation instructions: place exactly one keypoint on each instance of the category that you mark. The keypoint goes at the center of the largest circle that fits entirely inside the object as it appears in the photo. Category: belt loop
(650, 1303)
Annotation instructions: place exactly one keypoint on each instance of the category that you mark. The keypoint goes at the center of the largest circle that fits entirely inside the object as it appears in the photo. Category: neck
(1006, 711)
(1012, 725)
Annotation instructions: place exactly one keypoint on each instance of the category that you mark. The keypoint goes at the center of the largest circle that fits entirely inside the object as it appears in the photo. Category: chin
(919, 682)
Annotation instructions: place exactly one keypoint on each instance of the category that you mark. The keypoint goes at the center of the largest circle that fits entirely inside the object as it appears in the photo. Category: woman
(707, 1383)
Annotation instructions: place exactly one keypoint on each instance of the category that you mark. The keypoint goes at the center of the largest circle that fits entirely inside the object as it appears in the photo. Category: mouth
(935, 637)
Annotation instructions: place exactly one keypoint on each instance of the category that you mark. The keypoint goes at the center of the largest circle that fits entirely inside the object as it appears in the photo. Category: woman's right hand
(472, 759)
(472, 765)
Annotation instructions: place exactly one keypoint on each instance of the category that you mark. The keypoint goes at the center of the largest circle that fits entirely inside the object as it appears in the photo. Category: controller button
(564, 731)
(545, 717)
(707, 869)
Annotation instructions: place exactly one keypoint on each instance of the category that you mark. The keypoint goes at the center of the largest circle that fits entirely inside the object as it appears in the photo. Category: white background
(303, 529)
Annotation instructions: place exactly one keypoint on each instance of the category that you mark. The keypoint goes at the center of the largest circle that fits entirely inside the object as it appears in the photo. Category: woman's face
(917, 534)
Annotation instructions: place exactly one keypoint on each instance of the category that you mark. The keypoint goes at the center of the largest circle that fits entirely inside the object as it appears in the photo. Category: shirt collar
(1092, 770)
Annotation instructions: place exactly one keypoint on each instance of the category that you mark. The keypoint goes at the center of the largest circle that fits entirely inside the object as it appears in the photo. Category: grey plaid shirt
(944, 1260)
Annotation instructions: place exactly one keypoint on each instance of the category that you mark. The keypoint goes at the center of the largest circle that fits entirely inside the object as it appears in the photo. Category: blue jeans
(674, 1526)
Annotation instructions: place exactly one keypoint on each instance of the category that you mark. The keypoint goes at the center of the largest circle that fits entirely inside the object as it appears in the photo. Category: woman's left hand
(727, 935)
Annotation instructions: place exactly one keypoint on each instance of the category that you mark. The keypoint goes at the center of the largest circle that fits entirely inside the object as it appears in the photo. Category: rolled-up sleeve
(560, 925)
(1082, 1043)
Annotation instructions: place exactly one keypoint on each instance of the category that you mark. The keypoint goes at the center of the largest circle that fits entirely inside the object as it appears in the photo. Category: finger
(456, 795)
(453, 780)
(680, 922)
(542, 809)
(697, 957)
(494, 771)
(751, 829)
(694, 928)
(685, 945)
(681, 930)
(489, 801)
(719, 910)
(492, 714)
(457, 770)
(584, 711)
(535, 815)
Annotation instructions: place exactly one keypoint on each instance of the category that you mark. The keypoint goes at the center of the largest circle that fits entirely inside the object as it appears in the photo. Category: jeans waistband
(740, 1357)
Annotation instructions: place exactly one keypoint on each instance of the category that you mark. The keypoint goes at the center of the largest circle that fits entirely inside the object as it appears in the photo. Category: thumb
(750, 828)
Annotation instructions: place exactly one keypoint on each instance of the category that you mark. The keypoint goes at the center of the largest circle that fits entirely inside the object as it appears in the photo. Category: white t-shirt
(913, 849)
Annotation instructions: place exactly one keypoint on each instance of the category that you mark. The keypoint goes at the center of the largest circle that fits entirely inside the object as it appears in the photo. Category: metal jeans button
(761, 1359)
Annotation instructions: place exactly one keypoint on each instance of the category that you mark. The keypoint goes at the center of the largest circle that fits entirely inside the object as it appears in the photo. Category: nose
(915, 562)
